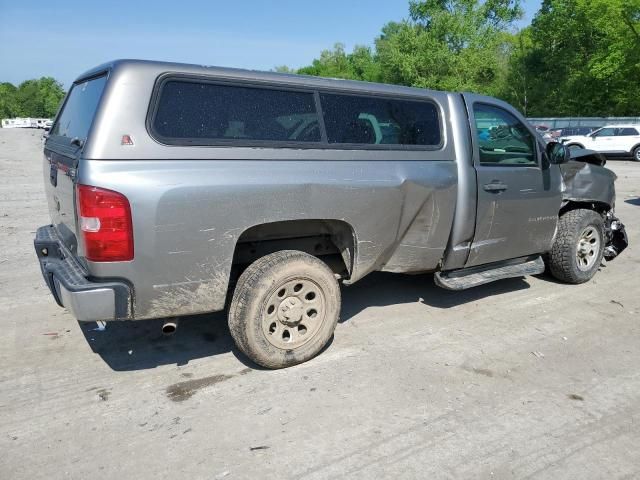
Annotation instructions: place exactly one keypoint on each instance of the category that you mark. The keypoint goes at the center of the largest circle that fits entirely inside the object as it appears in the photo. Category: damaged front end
(585, 181)
(615, 236)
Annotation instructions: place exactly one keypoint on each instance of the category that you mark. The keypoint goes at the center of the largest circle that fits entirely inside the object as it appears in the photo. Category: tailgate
(62, 152)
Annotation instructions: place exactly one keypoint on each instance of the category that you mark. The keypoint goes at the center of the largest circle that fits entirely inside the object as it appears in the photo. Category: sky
(62, 38)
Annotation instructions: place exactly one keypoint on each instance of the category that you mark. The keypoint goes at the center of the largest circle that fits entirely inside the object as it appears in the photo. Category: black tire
(263, 322)
(636, 154)
(575, 258)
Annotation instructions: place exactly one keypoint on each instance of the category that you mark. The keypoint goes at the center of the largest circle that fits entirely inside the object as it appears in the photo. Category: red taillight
(104, 218)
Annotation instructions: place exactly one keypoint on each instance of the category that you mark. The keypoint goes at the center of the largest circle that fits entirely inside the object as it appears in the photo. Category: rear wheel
(579, 246)
(285, 308)
(636, 154)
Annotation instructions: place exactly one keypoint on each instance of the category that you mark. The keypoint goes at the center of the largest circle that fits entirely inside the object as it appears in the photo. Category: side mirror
(557, 153)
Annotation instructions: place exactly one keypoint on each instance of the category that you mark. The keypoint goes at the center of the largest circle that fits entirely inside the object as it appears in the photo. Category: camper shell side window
(193, 111)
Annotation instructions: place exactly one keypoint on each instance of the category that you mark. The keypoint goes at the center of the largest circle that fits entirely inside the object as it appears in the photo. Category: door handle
(495, 187)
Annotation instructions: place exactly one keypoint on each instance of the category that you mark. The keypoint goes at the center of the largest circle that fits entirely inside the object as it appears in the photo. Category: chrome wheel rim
(293, 313)
(637, 154)
(588, 248)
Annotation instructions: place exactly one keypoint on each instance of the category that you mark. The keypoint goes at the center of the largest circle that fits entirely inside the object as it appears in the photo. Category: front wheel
(579, 246)
(285, 308)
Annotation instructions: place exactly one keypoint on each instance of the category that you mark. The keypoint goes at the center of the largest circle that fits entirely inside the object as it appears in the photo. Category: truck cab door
(519, 193)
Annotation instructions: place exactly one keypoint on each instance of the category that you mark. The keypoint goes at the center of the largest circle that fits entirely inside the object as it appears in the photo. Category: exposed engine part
(615, 236)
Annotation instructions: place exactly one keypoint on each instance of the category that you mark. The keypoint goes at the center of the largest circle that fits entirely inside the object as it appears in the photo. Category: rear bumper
(69, 283)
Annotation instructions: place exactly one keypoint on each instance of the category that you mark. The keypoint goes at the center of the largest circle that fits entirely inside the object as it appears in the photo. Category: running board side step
(472, 277)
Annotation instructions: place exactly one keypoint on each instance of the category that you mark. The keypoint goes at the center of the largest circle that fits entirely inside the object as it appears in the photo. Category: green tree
(583, 58)
(446, 44)
(39, 98)
(517, 85)
(8, 102)
(284, 69)
(364, 64)
(460, 45)
(337, 63)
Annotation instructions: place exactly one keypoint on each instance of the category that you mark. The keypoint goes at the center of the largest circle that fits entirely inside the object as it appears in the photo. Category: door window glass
(605, 132)
(628, 132)
(502, 138)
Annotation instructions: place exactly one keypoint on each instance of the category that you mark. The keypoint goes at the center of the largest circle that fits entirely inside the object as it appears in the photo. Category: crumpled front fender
(585, 182)
(588, 182)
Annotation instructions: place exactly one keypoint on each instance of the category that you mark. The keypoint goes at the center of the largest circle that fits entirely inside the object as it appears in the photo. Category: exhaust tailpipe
(169, 327)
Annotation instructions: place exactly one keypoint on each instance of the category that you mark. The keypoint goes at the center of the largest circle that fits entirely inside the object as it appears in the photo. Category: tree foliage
(336, 63)
(578, 57)
(445, 44)
(38, 98)
(8, 103)
(450, 45)
(582, 57)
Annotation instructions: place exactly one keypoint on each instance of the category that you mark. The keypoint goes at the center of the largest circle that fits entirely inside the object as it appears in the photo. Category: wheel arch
(331, 240)
(596, 206)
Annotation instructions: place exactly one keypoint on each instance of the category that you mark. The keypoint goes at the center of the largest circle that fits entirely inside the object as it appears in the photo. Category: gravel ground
(523, 378)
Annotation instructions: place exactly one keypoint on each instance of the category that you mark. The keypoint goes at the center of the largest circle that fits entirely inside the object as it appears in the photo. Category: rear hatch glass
(79, 109)
(63, 149)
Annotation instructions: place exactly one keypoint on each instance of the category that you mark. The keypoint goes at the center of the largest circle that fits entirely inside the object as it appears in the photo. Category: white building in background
(25, 122)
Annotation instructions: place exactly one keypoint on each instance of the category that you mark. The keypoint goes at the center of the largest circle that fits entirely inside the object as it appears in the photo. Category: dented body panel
(189, 215)
(585, 182)
(399, 209)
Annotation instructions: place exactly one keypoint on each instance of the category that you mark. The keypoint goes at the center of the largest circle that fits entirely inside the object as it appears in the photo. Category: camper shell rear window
(195, 111)
(76, 116)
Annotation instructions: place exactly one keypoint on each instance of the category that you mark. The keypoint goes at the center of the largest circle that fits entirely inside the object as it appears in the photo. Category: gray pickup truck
(177, 189)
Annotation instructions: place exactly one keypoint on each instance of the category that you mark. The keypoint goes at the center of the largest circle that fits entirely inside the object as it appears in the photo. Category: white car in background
(612, 140)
